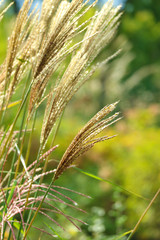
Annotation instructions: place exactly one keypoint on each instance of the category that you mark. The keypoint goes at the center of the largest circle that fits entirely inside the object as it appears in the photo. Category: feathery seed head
(85, 139)
(98, 34)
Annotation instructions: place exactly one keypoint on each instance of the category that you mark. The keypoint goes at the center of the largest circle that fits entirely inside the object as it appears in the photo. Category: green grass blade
(51, 228)
(122, 235)
(110, 182)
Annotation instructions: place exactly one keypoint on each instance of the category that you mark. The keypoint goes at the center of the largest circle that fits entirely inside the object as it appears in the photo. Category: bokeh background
(132, 159)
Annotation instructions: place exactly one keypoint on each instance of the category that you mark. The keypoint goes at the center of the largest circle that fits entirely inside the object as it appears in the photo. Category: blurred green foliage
(141, 26)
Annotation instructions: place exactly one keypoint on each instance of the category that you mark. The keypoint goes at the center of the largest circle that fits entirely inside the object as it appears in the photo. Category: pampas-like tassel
(85, 139)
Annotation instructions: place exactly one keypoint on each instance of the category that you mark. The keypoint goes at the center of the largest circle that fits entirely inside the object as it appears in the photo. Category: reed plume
(99, 32)
(85, 139)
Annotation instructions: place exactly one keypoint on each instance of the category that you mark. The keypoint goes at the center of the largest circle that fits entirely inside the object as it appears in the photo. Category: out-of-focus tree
(141, 25)
(132, 6)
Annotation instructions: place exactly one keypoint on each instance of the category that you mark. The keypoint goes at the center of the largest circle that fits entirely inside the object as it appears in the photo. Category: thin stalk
(26, 161)
(2, 113)
(27, 198)
(22, 144)
(10, 177)
(17, 116)
(15, 156)
(143, 214)
(3, 159)
(35, 214)
(23, 95)
(53, 140)
(30, 138)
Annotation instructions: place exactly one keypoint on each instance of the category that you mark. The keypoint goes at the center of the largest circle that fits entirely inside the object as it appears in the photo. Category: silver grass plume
(85, 139)
(99, 32)
(13, 68)
(52, 43)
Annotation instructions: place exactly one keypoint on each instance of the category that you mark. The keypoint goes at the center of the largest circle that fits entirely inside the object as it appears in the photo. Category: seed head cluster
(85, 139)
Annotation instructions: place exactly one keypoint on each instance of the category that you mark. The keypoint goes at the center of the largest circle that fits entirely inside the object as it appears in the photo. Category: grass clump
(38, 46)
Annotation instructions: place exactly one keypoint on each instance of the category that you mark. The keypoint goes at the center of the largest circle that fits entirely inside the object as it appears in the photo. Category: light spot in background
(116, 2)
(35, 2)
